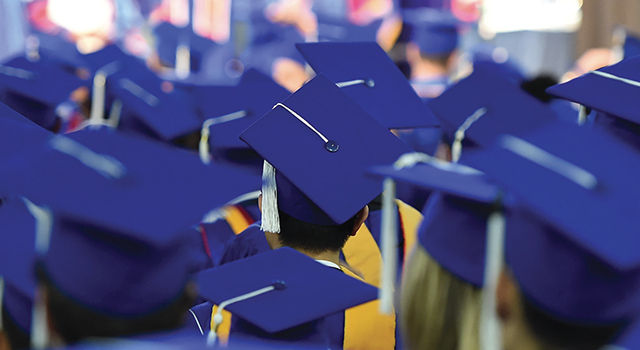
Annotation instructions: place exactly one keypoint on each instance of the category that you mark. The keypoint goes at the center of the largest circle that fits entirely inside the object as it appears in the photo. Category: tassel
(98, 98)
(39, 329)
(203, 147)
(183, 62)
(270, 217)
(490, 331)
(389, 247)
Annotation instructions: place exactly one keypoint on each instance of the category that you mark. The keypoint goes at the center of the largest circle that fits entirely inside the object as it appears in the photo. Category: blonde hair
(438, 310)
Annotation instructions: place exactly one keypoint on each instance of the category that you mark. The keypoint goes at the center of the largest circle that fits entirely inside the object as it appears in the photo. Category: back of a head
(441, 289)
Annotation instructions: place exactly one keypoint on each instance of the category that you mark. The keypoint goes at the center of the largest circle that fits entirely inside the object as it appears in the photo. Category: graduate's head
(305, 227)
(571, 277)
(317, 145)
(442, 282)
(571, 299)
(434, 37)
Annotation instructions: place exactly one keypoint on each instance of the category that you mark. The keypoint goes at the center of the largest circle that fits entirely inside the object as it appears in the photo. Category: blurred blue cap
(149, 109)
(18, 134)
(434, 31)
(331, 28)
(496, 59)
(369, 76)
(17, 260)
(169, 38)
(268, 42)
(231, 109)
(484, 105)
(610, 89)
(303, 289)
(631, 46)
(122, 206)
(36, 88)
(571, 243)
(336, 141)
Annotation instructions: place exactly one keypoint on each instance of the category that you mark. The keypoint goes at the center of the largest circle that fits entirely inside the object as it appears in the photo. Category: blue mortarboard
(610, 89)
(295, 289)
(336, 140)
(230, 110)
(483, 106)
(496, 59)
(112, 53)
(148, 109)
(434, 31)
(631, 46)
(454, 228)
(57, 48)
(170, 38)
(17, 259)
(331, 28)
(270, 41)
(573, 251)
(18, 134)
(35, 89)
(369, 77)
(121, 242)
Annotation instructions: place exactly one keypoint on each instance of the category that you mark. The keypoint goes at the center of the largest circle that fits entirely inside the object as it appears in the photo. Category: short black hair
(75, 322)
(313, 238)
(18, 338)
(567, 335)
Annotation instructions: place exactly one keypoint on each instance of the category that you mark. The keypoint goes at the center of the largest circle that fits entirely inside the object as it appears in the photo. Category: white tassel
(183, 61)
(98, 98)
(270, 217)
(203, 147)
(490, 331)
(389, 247)
(582, 115)
(39, 328)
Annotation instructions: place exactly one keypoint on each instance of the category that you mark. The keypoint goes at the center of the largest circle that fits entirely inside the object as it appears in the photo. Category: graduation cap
(281, 289)
(496, 59)
(150, 110)
(462, 221)
(17, 259)
(230, 110)
(610, 91)
(124, 219)
(573, 247)
(268, 42)
(18, 134)
(337, 141)
(367, 75)
(175, 44)
(434, 31)
(35, 89)
(331, 28)
(483, 106)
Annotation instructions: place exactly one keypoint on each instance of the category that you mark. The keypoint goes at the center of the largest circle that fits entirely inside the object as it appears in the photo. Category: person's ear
(506, 296)
(260, 202)
(362, 215)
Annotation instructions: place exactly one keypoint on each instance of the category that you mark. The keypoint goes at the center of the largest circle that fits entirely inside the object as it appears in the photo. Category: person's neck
(427, 69)
(333, 257)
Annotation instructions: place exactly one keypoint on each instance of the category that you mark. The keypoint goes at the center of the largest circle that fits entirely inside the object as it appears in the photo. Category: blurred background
(217, 40)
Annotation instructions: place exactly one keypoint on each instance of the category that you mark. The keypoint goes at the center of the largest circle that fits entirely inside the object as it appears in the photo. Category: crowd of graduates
(264, 175)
